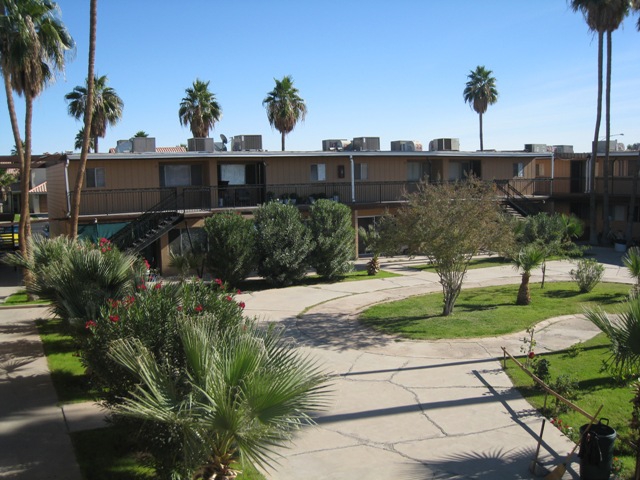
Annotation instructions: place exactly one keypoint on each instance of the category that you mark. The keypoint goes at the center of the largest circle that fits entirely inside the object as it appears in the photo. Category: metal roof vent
(406, 146)
(366, 143)
(335, 145)
(200, 144)
(244, 143)
(444, 145)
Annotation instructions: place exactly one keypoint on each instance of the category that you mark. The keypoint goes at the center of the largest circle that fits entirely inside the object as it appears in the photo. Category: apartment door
(577, 179)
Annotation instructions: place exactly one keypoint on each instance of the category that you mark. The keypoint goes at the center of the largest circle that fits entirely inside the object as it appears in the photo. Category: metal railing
(107, 202)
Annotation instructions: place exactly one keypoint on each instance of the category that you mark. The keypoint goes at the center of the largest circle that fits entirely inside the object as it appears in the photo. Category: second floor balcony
(206, 199)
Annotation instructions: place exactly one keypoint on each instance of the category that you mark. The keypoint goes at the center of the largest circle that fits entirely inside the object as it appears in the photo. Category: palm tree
(601, 16)
(480, 92)
(246, 392)
(284, 107)
(199, 109)
(616, 11)
(141, 134)
(89, 108)
(33, 47)
(528, 258)
(107, 107)
(632, 261)
(623, 330)
(80, 138)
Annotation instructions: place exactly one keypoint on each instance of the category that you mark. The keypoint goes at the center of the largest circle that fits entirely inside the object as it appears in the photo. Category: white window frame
(318, 172)
(518, 170)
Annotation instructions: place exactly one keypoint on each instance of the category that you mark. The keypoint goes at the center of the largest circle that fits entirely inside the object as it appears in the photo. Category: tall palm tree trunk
(481, 142)
(95, 143)
(283, 134)
(632, 200)
(25, 218)
(593, 229)
(607, 125)
(77, 191)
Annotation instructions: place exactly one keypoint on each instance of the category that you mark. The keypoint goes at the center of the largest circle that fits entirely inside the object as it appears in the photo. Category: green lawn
(490, 311)
(483, 262)
(20, 298)
(595, 388)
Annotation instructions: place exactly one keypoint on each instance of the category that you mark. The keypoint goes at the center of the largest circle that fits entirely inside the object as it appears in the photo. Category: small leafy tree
(334, 250)
(449, 223)
(231, 254)
(283, 244)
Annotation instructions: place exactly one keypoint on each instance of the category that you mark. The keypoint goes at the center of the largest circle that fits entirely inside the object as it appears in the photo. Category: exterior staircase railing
(149, 226)
(515, 199)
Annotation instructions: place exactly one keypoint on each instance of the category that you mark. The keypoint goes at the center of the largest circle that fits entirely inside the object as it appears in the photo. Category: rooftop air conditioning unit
(406, 146)
(444, 145)
(535, 148)
(124, 146)
(602, 146)
(143, 144)
(563, 148)
(335, 145)
(366, 143)
(200, 144)
(246, 142)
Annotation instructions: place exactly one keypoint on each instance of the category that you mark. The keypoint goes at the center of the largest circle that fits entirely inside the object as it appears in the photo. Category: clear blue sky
(390, 69)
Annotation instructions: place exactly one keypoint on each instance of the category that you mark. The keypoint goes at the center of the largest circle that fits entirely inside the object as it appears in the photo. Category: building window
(95, 178)
(233, 174)
(180, 175)
(318, 172)
(539, 170)
(361, 171)
(518, 169)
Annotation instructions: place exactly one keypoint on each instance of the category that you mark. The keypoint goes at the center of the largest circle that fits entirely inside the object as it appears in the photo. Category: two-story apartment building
(156, 199)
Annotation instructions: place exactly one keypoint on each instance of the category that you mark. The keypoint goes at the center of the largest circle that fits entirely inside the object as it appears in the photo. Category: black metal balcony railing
(101, 202)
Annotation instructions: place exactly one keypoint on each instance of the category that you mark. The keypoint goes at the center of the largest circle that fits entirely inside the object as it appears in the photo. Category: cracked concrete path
(418, 409)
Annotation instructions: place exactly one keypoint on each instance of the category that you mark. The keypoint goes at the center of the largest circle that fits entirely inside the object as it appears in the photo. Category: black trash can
(596, 451)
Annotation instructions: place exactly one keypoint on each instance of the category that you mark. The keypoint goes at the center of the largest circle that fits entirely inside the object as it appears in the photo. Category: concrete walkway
(399, 409)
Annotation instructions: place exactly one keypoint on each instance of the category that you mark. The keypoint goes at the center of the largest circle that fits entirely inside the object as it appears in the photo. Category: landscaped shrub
(151, 317)
(588, 274)
(78, 277)
(567, 386)
(283, 244)
(542, 369)
(334, 236)
(231, 253)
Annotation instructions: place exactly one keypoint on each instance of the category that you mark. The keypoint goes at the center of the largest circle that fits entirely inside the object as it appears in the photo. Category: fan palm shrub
(623, 330)
(528, 258)
(78, 277)
(632, 261)
(246, 392)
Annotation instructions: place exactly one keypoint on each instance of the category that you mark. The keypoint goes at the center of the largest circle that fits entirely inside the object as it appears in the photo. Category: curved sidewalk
(400, 409)
(417, 409)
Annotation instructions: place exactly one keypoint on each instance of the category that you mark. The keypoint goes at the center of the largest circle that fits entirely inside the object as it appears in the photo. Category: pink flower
(199, 308)
(239, 292)
(146, 264)
(142, 287)
(241, 305)
(179, 308)
(228, 298)
(532, 354)
(90, 324)
(157, 286)
(114, 318)
(219, 282)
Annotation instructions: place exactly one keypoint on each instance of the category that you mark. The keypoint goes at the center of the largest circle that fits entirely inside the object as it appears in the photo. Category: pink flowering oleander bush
(151, 314)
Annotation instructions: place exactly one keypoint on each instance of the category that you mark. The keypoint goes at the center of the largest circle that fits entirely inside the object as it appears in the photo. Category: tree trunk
(544, 271)
(282, 133)
(593, 233)
(605, 167)
(632, 200)
(524, 296)
(95, 144)
(481, 141)
(25, 180)
(88, 113)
